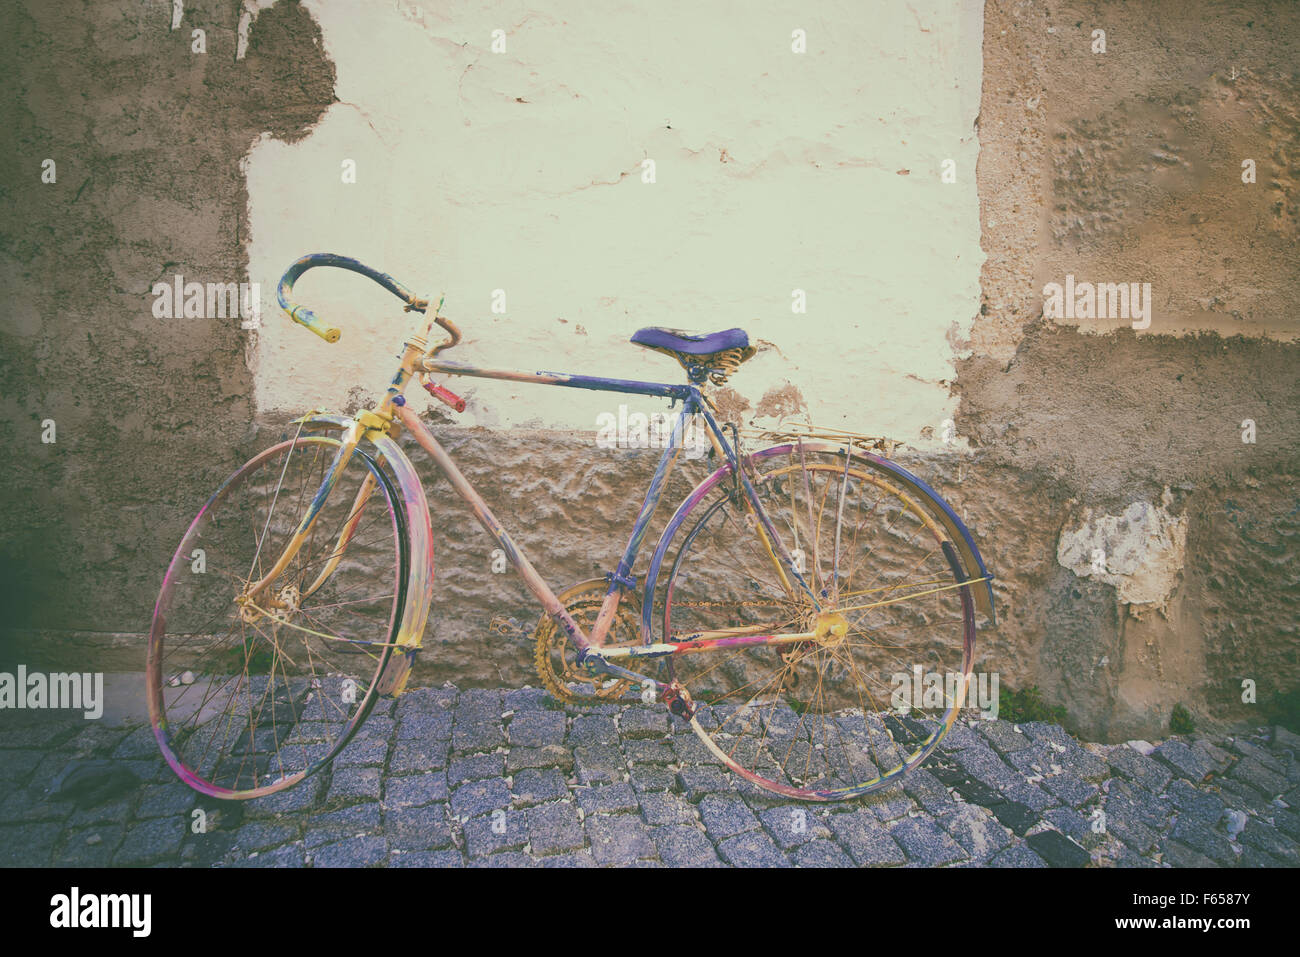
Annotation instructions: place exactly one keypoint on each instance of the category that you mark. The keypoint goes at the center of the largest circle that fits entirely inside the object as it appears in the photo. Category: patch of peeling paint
(1141, 552)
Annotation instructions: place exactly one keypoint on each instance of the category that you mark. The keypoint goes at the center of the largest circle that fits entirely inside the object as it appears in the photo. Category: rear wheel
(833, 714)
(250, 693)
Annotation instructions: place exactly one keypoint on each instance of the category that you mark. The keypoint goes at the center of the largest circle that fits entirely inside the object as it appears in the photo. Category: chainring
(555, 656)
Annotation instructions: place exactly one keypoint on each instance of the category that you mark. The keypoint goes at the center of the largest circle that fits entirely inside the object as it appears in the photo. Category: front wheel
(884, 609)
(253, 689)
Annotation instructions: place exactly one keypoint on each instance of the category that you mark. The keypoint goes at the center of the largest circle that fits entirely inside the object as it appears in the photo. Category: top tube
(592, 383)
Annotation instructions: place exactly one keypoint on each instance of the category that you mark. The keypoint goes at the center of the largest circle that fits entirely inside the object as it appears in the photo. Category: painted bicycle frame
(591, 652)
(381, 425)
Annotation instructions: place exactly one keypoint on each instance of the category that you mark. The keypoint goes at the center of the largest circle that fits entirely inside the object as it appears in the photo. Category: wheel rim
(818, 719)
(249, 695)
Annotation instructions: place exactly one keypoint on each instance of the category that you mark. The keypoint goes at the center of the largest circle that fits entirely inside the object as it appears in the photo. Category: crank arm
(596, 662)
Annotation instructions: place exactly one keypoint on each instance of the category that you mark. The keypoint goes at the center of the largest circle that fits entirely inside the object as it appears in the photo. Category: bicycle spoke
(819, 704)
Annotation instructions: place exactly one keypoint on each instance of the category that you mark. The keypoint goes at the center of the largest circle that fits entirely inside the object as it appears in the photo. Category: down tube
(532, 579)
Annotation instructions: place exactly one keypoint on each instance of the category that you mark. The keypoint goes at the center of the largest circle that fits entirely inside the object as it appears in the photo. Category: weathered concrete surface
(1126, 167)
(515, 163)
(1140, 551)
(148, 140)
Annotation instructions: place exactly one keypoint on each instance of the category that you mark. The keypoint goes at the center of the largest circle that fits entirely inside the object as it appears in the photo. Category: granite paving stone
(416, 755)
(475, 767)
(480, 797)
(821, 854)
(696, 782)
(607, 798)
(752, 849)
(1004, 736)
(366, 851)
(500, 831)
(618, 838)
(415, 790)
(537, 729)
(592, 729)
(661, 808)
(979, 833)
(1208, 805)
(359, 819)
(537, 785)
(292, 855)
(1139, 768)
(726, 816)
(792, 825)
(925, 843)
(684, 846)
(418, 828)
(555, 829)
(1057, 849)
(865, 839)
(1185, 762)
(1265, 837)
(527, 699)
(424, 726)
(548, 756)
(599, 764)
(643, 722)
(1020, 855)
(572, 859)
(427, 859)
(642, 751)
(649, 778)
(1259, 776)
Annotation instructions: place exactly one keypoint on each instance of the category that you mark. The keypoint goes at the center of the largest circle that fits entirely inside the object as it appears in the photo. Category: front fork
(366, 423)
(350, 440)
(345, 536)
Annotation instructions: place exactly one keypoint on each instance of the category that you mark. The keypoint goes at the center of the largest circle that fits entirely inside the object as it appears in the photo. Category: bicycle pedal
(510, 628)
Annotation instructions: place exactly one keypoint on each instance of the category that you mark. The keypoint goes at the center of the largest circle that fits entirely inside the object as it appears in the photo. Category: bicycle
(779, 620)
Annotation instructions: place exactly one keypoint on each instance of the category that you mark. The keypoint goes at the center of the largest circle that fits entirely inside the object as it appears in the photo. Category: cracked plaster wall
(522, 171)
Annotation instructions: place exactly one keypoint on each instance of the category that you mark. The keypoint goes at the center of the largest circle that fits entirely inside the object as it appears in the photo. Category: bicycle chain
(510, 628)
(730, 604)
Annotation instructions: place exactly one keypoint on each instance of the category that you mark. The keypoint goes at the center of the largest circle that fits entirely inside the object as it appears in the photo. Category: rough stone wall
(1122, 167)
(147, 138)
(1126, 166)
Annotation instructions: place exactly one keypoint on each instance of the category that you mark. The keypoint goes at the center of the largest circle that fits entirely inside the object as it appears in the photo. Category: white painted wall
(522, 171)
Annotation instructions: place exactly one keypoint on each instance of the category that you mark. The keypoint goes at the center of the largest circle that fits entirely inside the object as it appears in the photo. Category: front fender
(419, 583)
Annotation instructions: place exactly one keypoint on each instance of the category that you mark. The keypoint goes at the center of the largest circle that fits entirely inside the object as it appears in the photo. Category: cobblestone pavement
(502, 778)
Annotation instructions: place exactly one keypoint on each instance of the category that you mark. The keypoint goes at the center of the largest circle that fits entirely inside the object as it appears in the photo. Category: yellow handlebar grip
(306, 317)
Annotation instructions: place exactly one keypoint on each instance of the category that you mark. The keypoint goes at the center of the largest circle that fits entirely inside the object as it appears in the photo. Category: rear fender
(961, 537)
